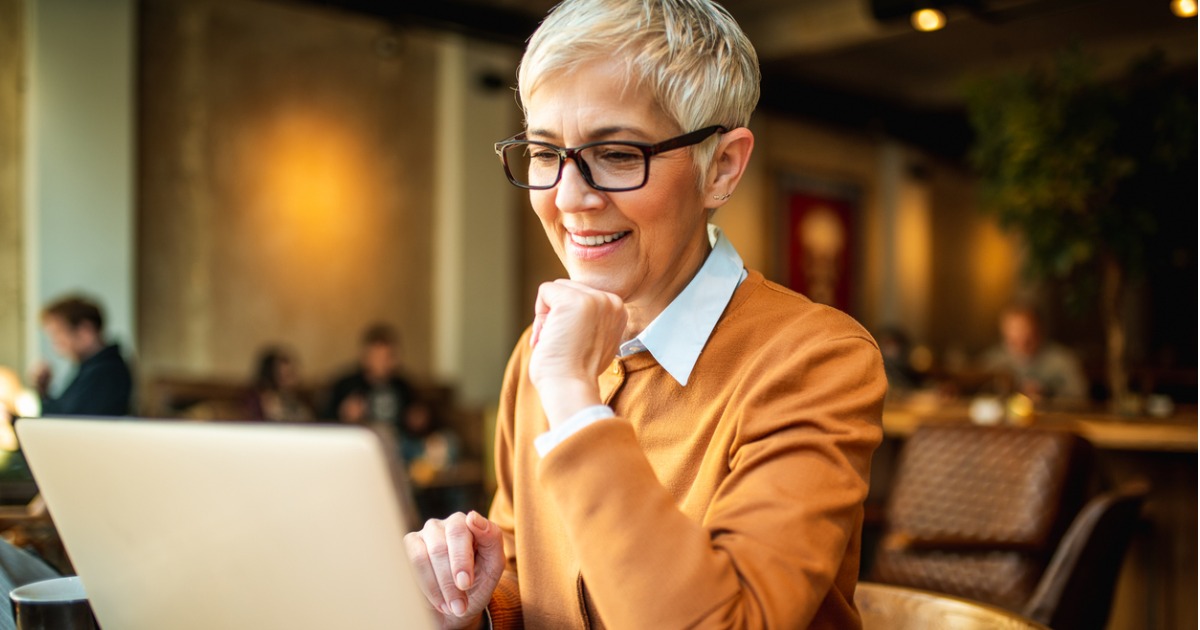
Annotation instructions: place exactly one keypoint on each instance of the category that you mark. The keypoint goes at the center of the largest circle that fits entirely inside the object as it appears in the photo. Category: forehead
(54, 322)
(594, 100)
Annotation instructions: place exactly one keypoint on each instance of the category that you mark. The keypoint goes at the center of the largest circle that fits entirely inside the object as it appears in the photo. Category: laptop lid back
(224, 525)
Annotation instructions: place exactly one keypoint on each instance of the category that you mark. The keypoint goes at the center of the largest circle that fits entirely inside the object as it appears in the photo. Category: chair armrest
(1082, 573)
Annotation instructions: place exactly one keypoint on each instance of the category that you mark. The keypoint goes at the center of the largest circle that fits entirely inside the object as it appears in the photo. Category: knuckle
(437, 549)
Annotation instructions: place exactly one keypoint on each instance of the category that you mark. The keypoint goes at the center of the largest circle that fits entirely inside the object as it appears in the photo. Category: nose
(573, 194)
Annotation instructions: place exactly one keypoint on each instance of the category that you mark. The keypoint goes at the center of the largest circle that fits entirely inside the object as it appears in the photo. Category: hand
(576, 333)
(353, 409)
(458, 560)
(40, 374)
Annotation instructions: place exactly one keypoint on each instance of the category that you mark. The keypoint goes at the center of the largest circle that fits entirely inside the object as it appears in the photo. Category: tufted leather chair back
(977, 511)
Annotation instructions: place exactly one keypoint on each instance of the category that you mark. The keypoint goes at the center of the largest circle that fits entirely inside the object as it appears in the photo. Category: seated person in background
(680, 443)
(277, 394)
(375, 392)
(102, 385)
(1030, 365)
(895, 348)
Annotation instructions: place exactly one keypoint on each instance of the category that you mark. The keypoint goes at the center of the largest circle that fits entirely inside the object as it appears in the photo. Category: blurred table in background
(1158, 584)
(1173, 433)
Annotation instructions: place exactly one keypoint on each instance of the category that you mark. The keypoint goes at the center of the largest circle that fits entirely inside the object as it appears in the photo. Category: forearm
(642, 569)
(763, 557)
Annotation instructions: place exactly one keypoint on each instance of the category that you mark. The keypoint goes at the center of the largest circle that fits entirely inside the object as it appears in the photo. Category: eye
(542, 155)
(616, 155)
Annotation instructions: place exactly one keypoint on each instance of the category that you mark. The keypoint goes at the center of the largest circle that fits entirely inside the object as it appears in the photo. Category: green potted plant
(1092, 176)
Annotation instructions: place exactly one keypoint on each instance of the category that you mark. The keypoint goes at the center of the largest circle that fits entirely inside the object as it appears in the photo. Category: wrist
(563, 397)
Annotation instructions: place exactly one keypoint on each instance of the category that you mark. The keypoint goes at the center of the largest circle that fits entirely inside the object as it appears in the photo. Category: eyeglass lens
(607, 165)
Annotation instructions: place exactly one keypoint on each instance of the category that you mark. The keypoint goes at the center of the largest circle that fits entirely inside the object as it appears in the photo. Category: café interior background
(226, 174)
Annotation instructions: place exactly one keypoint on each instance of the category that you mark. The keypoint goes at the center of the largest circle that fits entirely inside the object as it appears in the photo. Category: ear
(727, 166)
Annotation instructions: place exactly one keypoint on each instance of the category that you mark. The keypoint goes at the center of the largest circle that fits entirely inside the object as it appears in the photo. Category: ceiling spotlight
(927, 20)
(1183, 8)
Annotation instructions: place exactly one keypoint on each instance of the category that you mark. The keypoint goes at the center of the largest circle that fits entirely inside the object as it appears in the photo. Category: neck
(641, 312)
(90, 350)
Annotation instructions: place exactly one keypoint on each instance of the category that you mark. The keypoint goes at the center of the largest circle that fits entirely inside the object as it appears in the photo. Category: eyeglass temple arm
(686, 139)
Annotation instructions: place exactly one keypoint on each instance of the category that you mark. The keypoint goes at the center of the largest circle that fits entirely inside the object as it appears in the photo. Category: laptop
(230, 525)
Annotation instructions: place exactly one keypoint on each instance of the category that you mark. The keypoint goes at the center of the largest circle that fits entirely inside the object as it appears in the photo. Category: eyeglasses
(606, 165)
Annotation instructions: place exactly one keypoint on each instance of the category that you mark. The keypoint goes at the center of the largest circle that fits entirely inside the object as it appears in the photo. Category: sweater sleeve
(505, 606)
(780, 524)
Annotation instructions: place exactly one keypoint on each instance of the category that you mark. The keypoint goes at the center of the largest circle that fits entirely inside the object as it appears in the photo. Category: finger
(460, 544)
(434, 535)
(538, 322)
(489, 553)
(541, 310)
(486, 533)
(418, 555)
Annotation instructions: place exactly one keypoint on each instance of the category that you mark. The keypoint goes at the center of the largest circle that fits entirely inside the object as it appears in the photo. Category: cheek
(547, 213)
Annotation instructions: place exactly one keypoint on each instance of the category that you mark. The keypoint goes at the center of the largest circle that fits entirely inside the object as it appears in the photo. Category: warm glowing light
(928, 20)
(1020, 410)
(1183, 8)
(28, 404)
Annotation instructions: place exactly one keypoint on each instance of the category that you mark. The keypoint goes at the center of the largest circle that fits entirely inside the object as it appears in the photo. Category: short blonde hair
(691, 54)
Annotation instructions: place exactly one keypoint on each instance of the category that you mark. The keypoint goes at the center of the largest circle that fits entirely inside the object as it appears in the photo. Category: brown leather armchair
(989, 514)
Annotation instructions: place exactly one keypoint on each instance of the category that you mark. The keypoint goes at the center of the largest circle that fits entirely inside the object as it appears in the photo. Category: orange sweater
(735, 501)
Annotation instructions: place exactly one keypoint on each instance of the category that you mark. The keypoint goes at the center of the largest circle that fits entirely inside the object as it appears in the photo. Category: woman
(277, 396)
(711, 474)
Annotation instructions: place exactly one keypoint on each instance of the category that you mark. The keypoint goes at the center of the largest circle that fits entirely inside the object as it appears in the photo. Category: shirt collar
(677, 336)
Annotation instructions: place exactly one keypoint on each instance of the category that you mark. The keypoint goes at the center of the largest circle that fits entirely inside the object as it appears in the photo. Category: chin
(601, 282)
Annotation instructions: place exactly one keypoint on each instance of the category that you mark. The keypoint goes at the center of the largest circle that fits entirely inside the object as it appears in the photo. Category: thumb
(486, 533)
(489, 551)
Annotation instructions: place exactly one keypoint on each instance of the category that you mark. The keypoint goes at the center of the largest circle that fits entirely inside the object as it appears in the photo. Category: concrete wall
(12, 263)
(285, 186)
(307, 172)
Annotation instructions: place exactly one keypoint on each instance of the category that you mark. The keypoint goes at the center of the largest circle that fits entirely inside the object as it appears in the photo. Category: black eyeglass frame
(564, 153)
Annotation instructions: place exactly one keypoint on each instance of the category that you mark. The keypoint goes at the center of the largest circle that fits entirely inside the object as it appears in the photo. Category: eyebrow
(603, 133)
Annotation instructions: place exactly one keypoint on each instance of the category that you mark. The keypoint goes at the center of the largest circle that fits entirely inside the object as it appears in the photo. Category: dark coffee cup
(58, 604)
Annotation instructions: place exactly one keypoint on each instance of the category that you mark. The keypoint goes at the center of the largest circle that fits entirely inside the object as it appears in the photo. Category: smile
(593, 241)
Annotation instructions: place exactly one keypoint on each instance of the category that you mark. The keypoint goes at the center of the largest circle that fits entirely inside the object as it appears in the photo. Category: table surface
(1175, 433)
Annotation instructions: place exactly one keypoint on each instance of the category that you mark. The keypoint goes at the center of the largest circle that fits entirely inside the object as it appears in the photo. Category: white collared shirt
(677, 336)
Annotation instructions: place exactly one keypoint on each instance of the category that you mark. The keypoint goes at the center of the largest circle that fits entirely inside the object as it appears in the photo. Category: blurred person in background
(277, 395)
(102, 384)
(679, 442)
(1027, 363)
(374, 392)
(896, 349)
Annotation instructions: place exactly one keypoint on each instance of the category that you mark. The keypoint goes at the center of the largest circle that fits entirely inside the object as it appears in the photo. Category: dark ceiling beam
(943, 132)
(476, 20)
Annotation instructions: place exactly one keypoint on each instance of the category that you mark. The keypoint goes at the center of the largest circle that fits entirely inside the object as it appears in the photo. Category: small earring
(722, 197)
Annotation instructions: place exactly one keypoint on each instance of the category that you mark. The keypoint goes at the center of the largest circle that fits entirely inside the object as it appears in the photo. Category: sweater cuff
(545, 442)
(504, 611)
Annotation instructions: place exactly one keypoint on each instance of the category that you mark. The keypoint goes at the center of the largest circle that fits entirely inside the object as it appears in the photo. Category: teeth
(592, 241)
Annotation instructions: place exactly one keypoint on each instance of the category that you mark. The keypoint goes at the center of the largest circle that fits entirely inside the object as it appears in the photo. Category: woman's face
(657, 237)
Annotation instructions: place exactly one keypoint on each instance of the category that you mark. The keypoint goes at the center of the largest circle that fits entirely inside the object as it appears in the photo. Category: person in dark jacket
(375, 392)
(102, 385)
